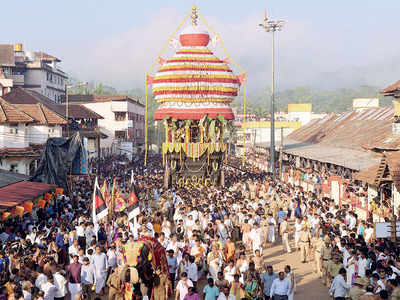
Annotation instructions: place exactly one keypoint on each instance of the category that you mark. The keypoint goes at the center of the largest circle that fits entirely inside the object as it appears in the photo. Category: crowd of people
(215, 239)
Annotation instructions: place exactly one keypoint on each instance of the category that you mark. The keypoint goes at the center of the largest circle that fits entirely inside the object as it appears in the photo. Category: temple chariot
(194, 89)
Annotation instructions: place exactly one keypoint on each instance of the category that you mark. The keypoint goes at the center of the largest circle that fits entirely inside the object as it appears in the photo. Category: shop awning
(17, 193)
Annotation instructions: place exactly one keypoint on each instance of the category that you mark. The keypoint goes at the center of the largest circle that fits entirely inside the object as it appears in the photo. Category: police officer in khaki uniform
(318, 244)
(326, 253)
(115, 286)
(284, 231)
(305, 240)
(357, 290)
(394, 285)
(334, 266)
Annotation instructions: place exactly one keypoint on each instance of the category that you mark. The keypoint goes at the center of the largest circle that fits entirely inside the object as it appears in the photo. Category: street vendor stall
(15, 195)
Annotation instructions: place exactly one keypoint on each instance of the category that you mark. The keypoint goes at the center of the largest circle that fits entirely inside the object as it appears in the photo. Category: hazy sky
(325, 43)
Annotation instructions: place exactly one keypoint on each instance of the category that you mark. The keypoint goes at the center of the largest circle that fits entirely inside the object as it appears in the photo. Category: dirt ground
(309, 286)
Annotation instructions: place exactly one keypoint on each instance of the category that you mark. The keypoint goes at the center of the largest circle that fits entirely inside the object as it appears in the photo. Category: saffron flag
(133, 203)
(100, 210)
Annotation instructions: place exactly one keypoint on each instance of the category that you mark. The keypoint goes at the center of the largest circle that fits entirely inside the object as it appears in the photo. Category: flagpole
(94, 203)
(94, 216)
(111, 210)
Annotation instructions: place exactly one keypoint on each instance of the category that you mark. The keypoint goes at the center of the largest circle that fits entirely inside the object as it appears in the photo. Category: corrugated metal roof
(356, 130)
(349, 158)
(346, 139)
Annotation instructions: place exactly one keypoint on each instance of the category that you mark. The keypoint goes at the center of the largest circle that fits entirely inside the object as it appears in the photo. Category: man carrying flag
(133, 203)
(106, 193)
(99, 207)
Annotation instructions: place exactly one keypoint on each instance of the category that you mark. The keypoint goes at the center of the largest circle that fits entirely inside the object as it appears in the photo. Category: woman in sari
(251, 288)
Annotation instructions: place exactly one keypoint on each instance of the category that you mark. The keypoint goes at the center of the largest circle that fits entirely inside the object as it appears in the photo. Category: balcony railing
(92, 132)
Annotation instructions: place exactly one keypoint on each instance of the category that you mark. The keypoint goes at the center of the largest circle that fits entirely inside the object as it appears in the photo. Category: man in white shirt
(80, 233)
(40, 280)
(225, 294)
(61, 284)
(280, 288)
(339, 287)
(346, 254)
(32, 235)
(49, 288)
(112, 257)
(89, 233)
(87, 276)
(362, 265)
(256, 238)
(73, 250)
(189, 223)
(182, 287)
(192, 271)
(271, 228)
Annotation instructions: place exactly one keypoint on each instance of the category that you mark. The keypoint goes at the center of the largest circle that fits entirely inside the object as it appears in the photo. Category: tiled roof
(78, 111)
(24, 152)
(26, 96)
(391, 89)
(7, 55)
(7, 178)
(101, 98)
(390, 160)
(42, 114)
(11, 114)
(393, 162)
(368, 175)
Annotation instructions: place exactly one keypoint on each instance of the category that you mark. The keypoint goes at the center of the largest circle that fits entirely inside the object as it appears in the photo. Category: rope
(237, 66)
(145, 121)
(149, 71)
(222, 43)
(244, 121)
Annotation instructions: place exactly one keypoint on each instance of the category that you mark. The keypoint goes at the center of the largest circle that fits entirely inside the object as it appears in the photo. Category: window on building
(14, 129)
(120, 135)
(14, 168)
(120, 116)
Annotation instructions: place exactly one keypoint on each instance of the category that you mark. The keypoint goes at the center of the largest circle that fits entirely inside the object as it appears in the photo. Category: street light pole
(272, 26)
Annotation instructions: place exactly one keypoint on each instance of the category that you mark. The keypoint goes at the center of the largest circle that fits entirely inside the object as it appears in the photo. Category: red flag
(133, 204)
(100, 210)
